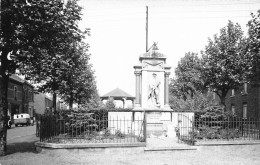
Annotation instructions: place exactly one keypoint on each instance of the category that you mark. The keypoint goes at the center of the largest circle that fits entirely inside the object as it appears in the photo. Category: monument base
(157, 122)
(167, 108)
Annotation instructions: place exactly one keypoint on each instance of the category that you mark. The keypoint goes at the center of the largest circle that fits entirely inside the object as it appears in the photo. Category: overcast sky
(118, 32)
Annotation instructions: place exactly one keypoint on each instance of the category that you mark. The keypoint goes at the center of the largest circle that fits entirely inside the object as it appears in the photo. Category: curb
(228, 143)
(87, 145)
(170, 149)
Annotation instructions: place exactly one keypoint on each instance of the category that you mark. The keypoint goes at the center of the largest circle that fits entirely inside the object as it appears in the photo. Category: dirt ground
(25, 154)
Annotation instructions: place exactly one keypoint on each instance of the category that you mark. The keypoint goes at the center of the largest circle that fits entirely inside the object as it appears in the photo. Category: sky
(118, 34)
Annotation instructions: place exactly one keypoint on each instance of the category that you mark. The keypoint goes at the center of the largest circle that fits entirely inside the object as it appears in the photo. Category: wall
(157, 122)
(122, 121)
(251, 98)
(28, 99)
(41, 103)
(15, 105)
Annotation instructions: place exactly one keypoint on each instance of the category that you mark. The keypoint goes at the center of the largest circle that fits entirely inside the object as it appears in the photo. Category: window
(26, 94)
(30, 111)
(233, 109)
(244, 110)
(233, 92)
(15, 92)
(30, 96)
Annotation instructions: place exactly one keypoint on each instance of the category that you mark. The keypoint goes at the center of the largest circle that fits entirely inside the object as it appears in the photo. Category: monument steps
(162, 143)
(147, 149)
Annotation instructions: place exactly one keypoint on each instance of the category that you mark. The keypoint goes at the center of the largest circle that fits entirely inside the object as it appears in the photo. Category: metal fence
(95, 130)
(218, 129)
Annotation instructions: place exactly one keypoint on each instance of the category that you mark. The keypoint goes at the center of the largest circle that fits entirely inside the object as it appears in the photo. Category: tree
(187, 77)
(224, 62)
(197, 103)
(60, 36)
(253, 51)
(19, 33)
(94, 101)
(33, 34)
(78, 82)
(110, 104)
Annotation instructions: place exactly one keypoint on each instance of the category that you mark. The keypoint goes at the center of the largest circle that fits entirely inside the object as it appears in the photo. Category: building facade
(245, 101)
(20, 96)
(42, 102)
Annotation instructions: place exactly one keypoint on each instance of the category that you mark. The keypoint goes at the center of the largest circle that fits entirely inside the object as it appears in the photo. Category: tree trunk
(222, 97)
(71, 101)
(223, 102)
(3, 103)
(54, 102)
(6, 33)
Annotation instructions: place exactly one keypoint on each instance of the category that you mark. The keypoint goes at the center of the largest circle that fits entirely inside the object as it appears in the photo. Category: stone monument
(152, 91)
(152, 81)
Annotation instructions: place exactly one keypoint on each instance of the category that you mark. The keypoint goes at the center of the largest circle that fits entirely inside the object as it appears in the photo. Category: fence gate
(185, 128)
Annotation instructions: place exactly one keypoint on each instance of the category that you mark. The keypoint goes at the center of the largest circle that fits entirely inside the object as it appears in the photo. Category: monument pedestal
(152, 92)
(157, 122)
(167, 108)
(137, 107)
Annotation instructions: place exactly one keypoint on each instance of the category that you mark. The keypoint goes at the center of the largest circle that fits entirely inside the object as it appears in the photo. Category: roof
(117, 94)
(16, 78)
(43, 95)
(19, 79)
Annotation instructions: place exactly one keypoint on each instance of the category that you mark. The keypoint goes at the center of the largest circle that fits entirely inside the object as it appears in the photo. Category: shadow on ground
(21, 147)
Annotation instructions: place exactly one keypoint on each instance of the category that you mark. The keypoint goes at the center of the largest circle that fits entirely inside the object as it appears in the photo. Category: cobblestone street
(21, 151)
(213, 155)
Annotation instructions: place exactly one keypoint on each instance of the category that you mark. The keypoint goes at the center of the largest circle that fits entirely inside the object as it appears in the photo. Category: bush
(188, 140)
(210, 132)
(119, 134)
(215, 133)
(107, 133)
(141, 139)
(229, 133)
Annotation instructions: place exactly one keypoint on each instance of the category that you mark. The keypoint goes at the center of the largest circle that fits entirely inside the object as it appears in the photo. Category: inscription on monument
(155, 129)
(153, 117)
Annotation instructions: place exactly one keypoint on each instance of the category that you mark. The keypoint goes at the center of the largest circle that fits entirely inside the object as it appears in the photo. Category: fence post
(145, 140)
(39, 128)
(193, 129)
(228, 129)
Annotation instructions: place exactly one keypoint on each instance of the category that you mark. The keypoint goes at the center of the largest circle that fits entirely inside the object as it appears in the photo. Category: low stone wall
(135, 147)
(158, 122)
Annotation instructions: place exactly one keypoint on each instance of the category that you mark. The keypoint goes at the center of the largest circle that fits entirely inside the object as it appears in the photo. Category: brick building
(245, 101)
(20, 96)
(43, 102)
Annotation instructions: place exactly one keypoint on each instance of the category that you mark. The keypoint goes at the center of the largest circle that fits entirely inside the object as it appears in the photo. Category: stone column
(166, 90)
(124, 102)
(137, 89)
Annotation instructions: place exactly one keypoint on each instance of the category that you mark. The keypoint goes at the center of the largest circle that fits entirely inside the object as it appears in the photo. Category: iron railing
(230, 128)
(219, 129)
(97, 130)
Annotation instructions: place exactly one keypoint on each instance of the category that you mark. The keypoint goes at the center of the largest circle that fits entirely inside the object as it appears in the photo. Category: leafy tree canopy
(223, 61)
(187, 76)
(253, 51)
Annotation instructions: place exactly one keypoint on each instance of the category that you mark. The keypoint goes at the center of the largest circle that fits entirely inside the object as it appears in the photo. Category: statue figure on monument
(153, 94)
